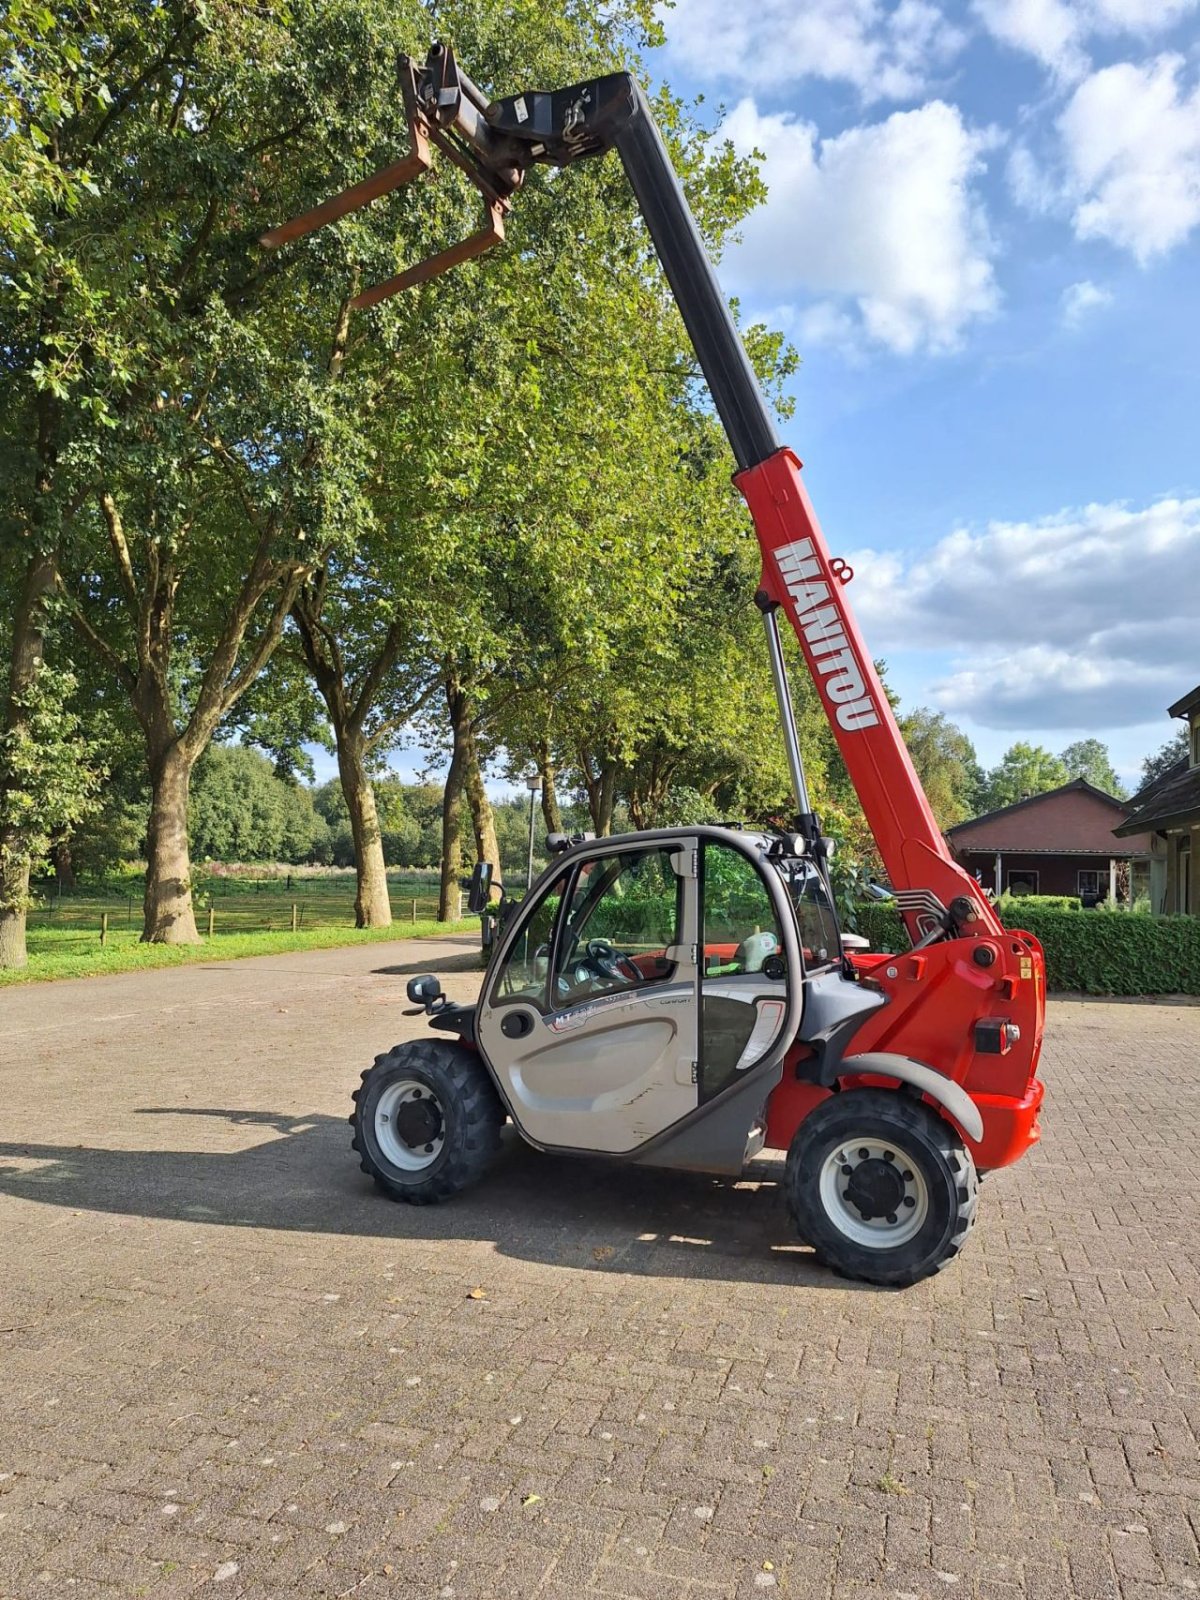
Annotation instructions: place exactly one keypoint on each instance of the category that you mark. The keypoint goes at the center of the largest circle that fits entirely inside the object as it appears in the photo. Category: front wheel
(880, 1186)
(426, 1121)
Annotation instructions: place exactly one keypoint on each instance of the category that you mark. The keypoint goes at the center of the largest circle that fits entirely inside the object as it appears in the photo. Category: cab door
(590, 1018)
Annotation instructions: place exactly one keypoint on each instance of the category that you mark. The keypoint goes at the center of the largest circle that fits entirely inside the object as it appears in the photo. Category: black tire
(935, 1178)
(463, 1120)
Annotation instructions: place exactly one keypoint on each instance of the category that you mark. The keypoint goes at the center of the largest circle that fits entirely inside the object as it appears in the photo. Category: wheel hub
(418, 1122)
(874, 1192)
(876, 1187)
(410, 1126)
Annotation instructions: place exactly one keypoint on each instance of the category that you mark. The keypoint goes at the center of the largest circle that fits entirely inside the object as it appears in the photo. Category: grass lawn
(249, 918)
(59, 953)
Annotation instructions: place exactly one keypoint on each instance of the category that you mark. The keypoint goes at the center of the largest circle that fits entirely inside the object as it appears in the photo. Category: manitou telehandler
(682, 998)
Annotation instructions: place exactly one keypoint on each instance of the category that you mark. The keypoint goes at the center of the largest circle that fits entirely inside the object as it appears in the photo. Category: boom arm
(494, 143)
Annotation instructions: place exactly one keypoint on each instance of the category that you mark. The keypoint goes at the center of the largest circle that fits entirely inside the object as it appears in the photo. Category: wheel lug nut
(892, 1217)
(909, 1201)
(847, 1170)
(863, 1154)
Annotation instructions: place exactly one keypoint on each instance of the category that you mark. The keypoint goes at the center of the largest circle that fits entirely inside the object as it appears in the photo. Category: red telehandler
(682, 998)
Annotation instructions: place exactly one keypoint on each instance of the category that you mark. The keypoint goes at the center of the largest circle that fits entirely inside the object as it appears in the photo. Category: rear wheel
(426, 1121)
(880, 1186)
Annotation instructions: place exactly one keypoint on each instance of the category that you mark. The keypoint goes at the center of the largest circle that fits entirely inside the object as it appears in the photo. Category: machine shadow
(468, 962)
(579, 1213)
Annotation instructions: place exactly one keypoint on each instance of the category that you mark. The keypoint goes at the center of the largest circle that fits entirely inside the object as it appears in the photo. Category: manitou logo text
(821, 624)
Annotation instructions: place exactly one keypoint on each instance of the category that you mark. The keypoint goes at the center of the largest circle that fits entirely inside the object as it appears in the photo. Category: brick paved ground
(228, 1365)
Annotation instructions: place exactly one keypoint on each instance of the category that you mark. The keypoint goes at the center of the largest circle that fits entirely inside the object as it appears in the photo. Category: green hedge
(1010, 904)
(1095, 952)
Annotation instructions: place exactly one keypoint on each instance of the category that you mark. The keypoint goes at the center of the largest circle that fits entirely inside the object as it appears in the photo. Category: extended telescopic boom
(495, 142)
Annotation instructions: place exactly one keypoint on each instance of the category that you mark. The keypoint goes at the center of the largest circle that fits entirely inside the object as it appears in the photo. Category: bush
(1012, 906)
(1120, 953)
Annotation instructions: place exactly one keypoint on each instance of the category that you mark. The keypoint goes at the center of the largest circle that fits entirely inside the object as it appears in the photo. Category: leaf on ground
(476, 1294)
(603, 1252)
(531, 1499)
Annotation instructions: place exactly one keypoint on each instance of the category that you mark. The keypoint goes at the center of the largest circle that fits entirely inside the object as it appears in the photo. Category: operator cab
(647, 978)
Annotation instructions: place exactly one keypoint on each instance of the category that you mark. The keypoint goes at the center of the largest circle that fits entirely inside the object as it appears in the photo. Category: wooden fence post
(295, 917)
(212, 917)
(103, 926)
(414, 912)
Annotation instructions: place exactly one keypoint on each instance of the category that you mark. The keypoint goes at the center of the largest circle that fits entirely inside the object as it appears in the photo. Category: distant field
(249, 916)
(238, 904)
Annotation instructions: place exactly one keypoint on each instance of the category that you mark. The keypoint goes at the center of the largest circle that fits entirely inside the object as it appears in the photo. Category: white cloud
(1079, 299)
(886, 51)
(1126, 168)
(1083, 619)
(1131, 143)
(878, 226)
(1057, 32)
(1051, 30)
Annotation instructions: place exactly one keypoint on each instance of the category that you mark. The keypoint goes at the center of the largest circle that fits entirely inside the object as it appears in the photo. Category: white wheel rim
(397, 1150)
(878, 1232)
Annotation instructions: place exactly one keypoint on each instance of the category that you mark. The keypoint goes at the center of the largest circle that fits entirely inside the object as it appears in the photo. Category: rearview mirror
(424, 989)
(479, 891)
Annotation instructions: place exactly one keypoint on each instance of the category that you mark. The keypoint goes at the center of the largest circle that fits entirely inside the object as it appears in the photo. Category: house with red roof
(1060, 842)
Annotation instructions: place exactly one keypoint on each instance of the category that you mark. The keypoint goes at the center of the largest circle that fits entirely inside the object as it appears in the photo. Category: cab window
(620, 926)
(815, 918)
(742, 990)
(526, 971)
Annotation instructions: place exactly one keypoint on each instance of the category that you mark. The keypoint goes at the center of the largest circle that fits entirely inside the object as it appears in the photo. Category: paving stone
(209, 1309)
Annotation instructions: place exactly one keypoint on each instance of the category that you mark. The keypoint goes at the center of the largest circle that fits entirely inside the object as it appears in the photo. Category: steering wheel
(608, 960)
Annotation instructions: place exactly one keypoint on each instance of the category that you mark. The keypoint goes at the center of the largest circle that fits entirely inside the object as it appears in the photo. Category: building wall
(1056, 874)
(1174, 901)
(1066, 820)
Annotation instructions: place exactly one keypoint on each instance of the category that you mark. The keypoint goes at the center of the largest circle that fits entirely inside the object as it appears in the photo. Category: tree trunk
(167, 910)
(601, 789)
(64, 869)
(372, 907)
(551, 813)
(27, 646)
(14, 895)
(451, 848)
(603, 815)
(483, 822)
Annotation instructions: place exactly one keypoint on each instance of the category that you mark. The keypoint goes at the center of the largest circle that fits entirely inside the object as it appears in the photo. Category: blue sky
(981, 236)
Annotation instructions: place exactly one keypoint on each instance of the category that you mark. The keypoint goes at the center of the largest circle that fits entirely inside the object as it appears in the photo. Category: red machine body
(986, 987)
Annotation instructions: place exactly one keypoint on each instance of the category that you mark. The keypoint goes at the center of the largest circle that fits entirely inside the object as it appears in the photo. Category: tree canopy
(1089, 758)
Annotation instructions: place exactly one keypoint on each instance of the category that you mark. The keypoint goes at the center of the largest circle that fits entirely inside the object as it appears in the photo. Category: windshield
(816, 919)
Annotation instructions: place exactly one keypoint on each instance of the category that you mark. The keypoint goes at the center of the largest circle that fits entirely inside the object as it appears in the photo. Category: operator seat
(754, 950)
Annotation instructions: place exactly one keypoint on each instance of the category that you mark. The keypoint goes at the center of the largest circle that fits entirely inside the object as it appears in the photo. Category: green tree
(42, 84)
(48, 778)
(1089, 759)
(241, 810)
(1023, 770)
(946, 765)
(1156, 765)
(184, 452)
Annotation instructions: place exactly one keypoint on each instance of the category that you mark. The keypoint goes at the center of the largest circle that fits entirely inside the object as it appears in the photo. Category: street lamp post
(534, 784)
